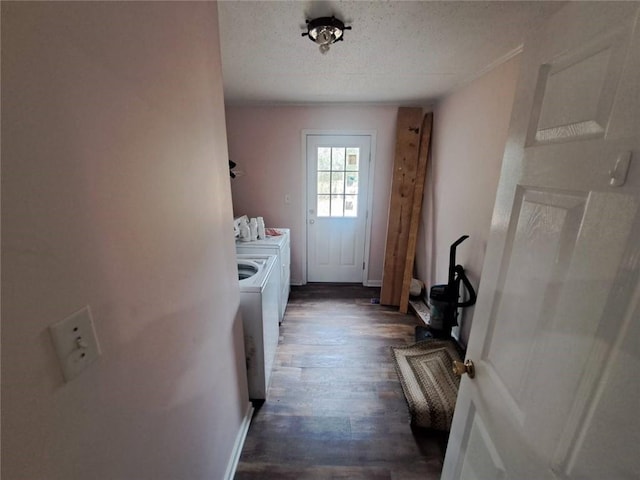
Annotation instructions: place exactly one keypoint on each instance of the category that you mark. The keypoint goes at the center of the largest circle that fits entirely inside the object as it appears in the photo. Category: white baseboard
(368, 283)
(239, 443)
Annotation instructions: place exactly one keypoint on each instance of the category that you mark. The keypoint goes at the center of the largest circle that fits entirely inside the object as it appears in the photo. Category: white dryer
(259, 305)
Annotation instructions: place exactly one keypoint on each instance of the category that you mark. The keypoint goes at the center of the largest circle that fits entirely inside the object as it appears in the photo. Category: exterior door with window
(337, 188)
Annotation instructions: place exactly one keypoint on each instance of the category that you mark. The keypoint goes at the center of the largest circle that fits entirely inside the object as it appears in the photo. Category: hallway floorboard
(335, 408)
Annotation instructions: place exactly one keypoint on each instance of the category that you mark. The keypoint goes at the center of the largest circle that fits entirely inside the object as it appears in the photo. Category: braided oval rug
(428, 382)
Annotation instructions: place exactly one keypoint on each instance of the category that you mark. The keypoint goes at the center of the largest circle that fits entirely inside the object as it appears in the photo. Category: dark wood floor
(335, 408)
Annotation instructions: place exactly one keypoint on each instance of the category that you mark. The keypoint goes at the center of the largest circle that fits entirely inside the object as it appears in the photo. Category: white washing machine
(259, 305)
(274, 245)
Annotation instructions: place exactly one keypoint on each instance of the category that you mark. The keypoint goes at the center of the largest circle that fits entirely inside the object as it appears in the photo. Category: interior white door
(556, 332)
(337, 188)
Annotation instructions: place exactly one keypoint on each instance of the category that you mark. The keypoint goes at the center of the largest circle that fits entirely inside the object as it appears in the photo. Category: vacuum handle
(467, 285)
(452, 257)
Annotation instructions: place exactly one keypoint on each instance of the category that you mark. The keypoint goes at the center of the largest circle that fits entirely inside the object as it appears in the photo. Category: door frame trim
(368, 222)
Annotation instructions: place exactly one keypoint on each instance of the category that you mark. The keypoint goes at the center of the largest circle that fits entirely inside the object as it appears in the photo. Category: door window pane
(353, 159)
(324, 208)
(337, 158)
(337, 205)
(324, 158)
(337, 182)
(324, 182)
(350, 205)
(351, 185)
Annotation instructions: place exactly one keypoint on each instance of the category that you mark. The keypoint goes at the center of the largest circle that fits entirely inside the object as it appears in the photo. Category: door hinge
(363, 265)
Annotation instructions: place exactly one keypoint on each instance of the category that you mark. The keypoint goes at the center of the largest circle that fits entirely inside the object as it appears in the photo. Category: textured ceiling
(398, 52)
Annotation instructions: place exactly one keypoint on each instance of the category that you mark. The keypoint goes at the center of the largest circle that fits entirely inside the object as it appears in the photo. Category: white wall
(266, 144)
(469, 137)
(115, 194)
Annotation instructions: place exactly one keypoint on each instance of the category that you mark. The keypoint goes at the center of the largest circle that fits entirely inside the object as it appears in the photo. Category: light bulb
(324, 36)
(324, 48)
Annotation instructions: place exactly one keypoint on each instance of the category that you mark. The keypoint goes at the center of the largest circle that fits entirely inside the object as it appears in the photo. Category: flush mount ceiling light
(324, 31)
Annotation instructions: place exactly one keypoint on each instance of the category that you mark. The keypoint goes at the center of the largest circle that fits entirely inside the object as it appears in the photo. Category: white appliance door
(555, 336)
(337, 187)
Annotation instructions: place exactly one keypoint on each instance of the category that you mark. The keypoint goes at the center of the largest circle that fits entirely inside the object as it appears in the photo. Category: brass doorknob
(467, 367)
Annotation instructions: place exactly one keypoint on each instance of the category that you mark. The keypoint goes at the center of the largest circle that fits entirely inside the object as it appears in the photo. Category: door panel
(337, 189)
(575, 90)
(609, 412)
(483, 461)
(546, 229)
(348, 249)
(557, 314)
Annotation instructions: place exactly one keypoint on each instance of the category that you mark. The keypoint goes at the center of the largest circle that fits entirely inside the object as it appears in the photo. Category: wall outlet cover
(75, 342)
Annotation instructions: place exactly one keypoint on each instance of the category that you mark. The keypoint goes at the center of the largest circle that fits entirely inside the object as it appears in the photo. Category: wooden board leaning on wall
(421, 176)
(405, 167)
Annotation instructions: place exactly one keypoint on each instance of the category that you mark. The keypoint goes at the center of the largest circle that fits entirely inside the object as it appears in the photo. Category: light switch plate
(75, 341)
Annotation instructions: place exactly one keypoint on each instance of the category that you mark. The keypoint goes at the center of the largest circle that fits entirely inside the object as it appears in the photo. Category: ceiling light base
(324, 31)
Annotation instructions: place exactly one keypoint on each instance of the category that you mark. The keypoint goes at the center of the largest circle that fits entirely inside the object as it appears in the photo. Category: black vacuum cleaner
(443, 299)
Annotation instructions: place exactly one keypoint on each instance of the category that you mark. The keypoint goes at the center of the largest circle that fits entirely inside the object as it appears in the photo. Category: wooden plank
(421, 174)
(401, 203)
